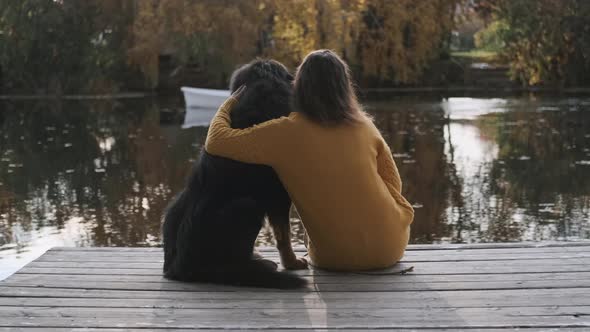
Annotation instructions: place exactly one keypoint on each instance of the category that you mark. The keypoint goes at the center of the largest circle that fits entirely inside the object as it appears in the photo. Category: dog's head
(267, 95)
(259, 70)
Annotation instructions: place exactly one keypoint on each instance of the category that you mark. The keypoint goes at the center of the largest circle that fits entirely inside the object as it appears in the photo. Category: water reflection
(511, 169)
(99, 172)
(476, 170)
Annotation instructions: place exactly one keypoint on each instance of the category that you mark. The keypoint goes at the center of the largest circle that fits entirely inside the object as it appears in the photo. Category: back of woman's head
(324, 90)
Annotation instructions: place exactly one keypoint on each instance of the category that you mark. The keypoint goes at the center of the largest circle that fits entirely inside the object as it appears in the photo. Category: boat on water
(201, 105)
(204, 98)
(198, 117)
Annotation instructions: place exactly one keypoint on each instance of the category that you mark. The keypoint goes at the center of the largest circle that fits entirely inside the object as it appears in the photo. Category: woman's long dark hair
(324, 91)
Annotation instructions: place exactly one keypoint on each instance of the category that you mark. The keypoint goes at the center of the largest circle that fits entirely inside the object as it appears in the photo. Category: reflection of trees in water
(416, 138)
(538, 190)
(457, 205)
(533, 189)
(110, 163)
(474, 213)
(116, 166)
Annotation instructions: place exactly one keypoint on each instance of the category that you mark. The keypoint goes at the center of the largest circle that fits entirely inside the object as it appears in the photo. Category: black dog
(211, 226)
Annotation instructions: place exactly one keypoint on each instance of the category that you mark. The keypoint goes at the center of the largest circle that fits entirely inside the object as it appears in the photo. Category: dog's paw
(299, 263)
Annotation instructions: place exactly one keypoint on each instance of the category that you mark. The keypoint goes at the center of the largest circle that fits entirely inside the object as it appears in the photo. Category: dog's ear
(238, 77)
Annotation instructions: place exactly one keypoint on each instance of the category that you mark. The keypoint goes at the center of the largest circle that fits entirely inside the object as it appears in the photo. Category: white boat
(198, 117)
(204, 98)
(201, 105)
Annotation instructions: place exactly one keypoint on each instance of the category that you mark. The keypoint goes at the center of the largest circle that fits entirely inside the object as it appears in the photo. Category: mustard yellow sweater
(342, 179)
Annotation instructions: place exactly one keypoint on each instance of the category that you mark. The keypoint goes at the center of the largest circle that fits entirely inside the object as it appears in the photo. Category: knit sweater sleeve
(389, 173)
(251, 145)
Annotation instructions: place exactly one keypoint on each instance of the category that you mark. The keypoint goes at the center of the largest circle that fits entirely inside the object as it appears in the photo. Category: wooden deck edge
(547, 244)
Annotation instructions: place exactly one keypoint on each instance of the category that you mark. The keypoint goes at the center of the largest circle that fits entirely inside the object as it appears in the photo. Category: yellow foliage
(301, 26)
(387, 39)
(402, 36)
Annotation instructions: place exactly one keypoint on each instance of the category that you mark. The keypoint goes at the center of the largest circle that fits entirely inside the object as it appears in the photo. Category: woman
(335, 165)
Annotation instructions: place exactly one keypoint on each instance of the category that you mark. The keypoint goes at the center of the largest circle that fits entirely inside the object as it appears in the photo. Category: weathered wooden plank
(156, 264)
(458, 270)
(508, 266)
(418, 250)
(270, 250)
(242, 294)
(122, 271)
(335, 300)
(327, 283)
(320, 279)
(550, 317)
(423, 256)
(33, 329)
(474, 246)
(515, 245)
(324, 287)
(251, 294)
(156, 273)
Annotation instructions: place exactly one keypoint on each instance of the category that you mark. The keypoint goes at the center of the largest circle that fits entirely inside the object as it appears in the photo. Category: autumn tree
(59, 46)
(399, 39)
(67, 45)
(212, 35)
(38, 48)
(302, 26)
(387, 40)
(545, 41)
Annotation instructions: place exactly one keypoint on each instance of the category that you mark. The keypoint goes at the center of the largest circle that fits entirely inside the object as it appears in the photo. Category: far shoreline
(105, 96)
(366, 92)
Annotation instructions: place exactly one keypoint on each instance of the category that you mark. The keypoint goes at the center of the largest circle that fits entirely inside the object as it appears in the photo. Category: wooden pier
(488, 287)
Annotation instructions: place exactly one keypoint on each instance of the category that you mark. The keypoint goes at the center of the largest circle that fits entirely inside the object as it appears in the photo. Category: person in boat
(334, 163)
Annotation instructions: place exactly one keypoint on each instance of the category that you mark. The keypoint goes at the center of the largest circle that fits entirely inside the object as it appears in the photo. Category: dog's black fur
(211, 226)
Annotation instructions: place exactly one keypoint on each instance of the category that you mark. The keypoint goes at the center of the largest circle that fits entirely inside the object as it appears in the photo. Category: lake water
(476, 170)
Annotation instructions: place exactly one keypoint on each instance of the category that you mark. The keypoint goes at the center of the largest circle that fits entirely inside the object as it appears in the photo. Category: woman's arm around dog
(251, 145)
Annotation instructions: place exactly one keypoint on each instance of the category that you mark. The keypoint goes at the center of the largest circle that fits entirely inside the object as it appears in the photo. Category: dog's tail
(253, 273)
(178, 210)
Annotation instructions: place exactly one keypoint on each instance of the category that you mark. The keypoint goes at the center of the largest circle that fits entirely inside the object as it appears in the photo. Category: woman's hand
(232, 99)
(236, 95)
